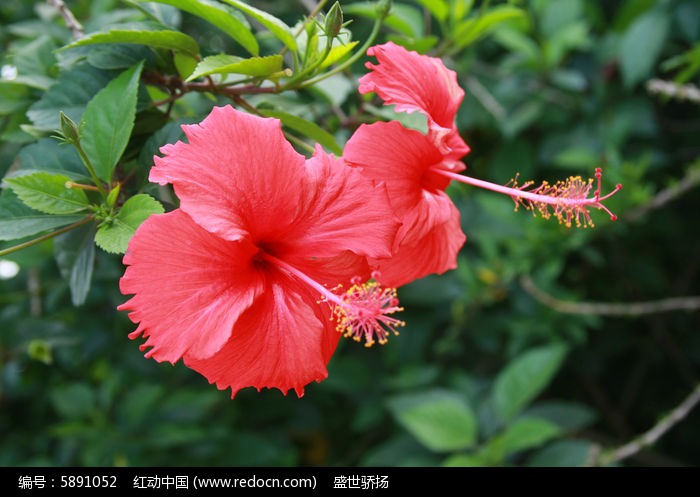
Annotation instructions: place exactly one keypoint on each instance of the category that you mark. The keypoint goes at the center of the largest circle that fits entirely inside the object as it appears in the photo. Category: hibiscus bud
(334, 21)
(69, 129)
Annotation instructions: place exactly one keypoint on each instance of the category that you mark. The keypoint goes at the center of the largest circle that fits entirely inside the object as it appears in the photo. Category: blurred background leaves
(526, 355)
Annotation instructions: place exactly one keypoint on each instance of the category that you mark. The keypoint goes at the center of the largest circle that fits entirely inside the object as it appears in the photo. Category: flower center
(365, 312)
(362, 311)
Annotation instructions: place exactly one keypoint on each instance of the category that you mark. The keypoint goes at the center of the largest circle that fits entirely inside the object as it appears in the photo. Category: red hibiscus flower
(251, 279)
(406, 160)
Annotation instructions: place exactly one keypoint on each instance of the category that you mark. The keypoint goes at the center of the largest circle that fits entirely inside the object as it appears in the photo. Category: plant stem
(47, 236)
(651, 436)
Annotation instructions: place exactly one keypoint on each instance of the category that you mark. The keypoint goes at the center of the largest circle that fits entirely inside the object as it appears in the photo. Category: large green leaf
(69, 95)
(113, 236)
(220, 16)
(75, 257)
(525, 377)
(641, 46)
(276, 26)
(230, 64)
(308, 128)
(441, 420)
(52, 156)
(17, 220)
(108, 120)
(47, 192)
(169, 40)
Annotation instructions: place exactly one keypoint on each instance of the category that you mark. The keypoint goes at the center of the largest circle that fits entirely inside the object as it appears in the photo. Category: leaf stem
(47, 236)
(90, 169)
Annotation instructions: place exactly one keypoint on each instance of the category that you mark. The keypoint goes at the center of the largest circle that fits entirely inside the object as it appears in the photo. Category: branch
(71, 22)
(630, 309)
(690, 180)
(687, 92)
(655, 433)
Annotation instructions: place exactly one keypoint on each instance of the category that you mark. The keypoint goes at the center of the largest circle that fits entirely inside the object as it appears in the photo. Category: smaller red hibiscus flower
(417, 168)
(251, 279)
(430, 236)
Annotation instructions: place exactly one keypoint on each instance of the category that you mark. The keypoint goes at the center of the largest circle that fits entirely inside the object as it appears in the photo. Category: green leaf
(337, 53)
(526, 433)
(441, 420)
(563, 453)
(108, 120)
(569, 416)
(477, 460)
(525, 377)
(47, 192)
(51, 156)
(227, 64)
(471, 30)
(308, 128)
(169, 40)
(641, 46)
(220, 16)
(404, 19)
(70, 94)
(438, 8)
(75, 400)
(75, 256)
(276, 26)
(17, 220)
(113, 236)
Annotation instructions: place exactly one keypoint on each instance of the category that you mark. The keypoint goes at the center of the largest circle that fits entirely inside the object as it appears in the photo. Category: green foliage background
(487, 371)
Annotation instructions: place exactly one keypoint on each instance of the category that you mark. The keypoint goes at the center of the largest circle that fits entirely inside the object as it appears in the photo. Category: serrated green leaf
(75, 256)
(169, 40)
(230, 64)
(108, 120)
(70, 94)
(523, 434)
(308, 128)
(641, 46)
(47, 192)
(17, 220)
(114, 236)
(220, 16)
(525, 377)
(439, 419)
(276, 26)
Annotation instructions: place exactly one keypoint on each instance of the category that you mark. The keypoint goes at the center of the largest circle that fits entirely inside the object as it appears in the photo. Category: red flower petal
(415, 82)
(340, 209)
(238, 175)
(279, 342)
(190, 286)
(402, 159)
(434, 253)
